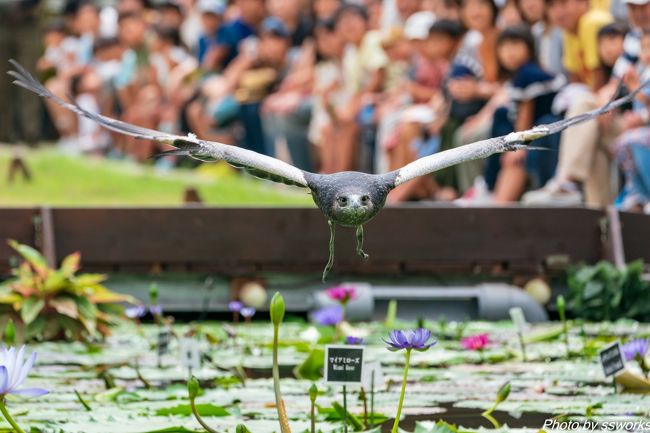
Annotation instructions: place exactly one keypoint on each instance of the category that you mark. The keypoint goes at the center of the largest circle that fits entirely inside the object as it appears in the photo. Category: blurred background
(327, 85)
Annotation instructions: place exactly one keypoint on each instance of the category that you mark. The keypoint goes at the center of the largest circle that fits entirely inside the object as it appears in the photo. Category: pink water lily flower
(13, 372)
(475, 342)
(341, 294)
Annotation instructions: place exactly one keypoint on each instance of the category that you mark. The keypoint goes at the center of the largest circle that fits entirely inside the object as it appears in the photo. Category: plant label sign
(164, 338)
(190, 353)
(373, 375)
(612, 360)
(344, 364)
(518, 318)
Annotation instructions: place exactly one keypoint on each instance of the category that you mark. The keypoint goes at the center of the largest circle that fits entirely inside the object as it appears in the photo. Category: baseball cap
(211, 7)
(275, 26)
(417, 25)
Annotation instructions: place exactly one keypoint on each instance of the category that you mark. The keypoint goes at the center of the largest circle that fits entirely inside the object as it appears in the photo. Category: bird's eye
(342, 201)
(365, 199)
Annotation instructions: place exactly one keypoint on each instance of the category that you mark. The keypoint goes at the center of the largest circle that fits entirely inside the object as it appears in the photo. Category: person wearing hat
(211, 18)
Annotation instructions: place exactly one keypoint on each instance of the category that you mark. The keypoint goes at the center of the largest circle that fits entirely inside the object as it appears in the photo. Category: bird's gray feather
(257, 164)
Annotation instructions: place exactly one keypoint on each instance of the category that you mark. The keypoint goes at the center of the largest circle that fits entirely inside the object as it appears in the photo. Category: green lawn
(64, 180)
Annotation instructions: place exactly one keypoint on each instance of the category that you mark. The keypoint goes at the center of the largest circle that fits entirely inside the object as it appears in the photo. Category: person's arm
(214, 57)
(235, 70)
(376, 81)
(525, 115)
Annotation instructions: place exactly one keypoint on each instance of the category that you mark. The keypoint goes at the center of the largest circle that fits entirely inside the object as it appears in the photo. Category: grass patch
(64, 180)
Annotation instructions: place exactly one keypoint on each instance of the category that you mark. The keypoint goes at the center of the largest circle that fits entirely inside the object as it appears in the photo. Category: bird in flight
(348, 199)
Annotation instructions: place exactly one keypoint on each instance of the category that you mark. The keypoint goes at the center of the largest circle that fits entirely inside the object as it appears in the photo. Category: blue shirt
(532, 83)
(204, 44)
(230, 35)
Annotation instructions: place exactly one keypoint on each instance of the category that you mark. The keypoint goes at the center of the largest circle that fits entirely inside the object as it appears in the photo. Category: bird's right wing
(510, 142)
(257, 164)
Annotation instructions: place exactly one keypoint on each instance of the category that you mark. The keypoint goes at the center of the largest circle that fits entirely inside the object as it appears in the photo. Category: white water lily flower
(13, 372)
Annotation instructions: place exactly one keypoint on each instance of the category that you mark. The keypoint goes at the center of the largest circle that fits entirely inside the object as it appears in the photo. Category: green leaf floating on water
(186, 410)
(311, 367)
(544, 335)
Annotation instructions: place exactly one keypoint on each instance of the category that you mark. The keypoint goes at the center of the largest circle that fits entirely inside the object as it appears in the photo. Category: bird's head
(350, 199)
(352, 206)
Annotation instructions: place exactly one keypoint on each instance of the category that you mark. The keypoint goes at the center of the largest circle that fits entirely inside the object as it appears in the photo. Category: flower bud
(277, 309)
(313, 392)
(193, 387)
(241, 428)
(153, 294)
(503, 393)
(561, 307)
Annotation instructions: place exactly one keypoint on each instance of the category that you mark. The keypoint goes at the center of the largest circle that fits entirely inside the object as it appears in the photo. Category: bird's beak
(354, 201)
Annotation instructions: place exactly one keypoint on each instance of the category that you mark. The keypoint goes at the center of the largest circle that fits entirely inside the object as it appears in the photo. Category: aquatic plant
(342, 295)
(13, 372)
(328, 316)
(411, 339)
(561, 309)
(502, 395)
(636, 350)
(276, 311)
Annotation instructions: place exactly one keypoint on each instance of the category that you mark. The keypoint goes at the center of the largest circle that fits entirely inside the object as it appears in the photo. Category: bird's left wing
(510, 142)
(257, 164)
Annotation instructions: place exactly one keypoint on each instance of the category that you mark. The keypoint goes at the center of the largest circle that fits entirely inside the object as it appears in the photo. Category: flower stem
(8, 417)
(198, 417)
(282, 413)
(401, 397)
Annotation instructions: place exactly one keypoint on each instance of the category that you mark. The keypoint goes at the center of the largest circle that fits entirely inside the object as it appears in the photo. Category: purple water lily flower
(247, 312)
(136, 312)
(13, 372)
(328, 316)
(417, 339)
(235, 306)
(636, 347)
(354, 341)
(156, 310)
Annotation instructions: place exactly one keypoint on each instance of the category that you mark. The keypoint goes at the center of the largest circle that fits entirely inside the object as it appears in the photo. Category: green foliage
(55, 304)
(186, 410)
(311, 368)
(603, 292)
(9, 336)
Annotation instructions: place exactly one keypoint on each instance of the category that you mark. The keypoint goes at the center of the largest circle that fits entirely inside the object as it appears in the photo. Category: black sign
(344, 364)
(611, 359)
(164, 338)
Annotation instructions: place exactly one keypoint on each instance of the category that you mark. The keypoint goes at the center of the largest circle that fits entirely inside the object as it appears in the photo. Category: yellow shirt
(604, 5)
(581, 49)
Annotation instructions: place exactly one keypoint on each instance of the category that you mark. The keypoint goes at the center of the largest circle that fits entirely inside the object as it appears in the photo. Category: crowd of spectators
(370, 85)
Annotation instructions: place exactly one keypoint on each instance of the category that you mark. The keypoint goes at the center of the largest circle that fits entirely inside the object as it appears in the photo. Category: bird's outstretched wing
(512, 141)
(257, 164)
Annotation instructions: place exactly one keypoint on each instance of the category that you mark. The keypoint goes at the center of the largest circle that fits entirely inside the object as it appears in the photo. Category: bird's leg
(330, 261)
(360, 251)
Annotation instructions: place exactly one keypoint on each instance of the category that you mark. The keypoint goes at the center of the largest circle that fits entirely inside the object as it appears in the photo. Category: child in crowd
(419, 132)
(633, 147)
(531, 91)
